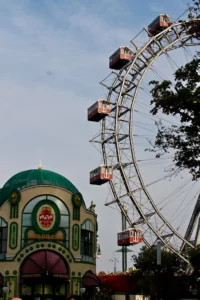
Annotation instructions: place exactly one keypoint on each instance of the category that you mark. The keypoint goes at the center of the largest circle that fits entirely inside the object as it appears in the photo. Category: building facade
(47, 237)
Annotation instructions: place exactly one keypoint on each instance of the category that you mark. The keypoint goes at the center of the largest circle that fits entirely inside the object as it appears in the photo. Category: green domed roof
(32, 178)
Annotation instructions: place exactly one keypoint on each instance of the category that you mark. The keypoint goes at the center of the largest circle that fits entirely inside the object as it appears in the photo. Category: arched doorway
(44, 275)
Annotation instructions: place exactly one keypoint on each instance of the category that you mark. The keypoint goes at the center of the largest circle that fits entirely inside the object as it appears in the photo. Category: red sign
(46, 217)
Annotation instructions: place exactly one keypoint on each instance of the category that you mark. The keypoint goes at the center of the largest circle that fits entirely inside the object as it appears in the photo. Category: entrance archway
(44, 275)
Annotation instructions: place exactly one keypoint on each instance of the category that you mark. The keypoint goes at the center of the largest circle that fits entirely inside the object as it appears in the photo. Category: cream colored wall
(26, 195)
(10, 266)
(32, 192)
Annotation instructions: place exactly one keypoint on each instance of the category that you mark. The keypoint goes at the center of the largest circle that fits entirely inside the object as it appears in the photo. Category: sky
(53, 55)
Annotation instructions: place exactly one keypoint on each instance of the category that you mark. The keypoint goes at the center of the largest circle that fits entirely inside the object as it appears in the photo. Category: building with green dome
(47, 238)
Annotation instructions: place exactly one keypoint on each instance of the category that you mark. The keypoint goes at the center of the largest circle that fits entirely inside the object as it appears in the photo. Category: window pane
(67, 234)
(86, 242)
(4, 233)
(88, 225)
(3, 240)
(64, 221)
(4, 246)
(23, 230)
(32, 203)
(3, 224)
(82, 247)
(26, 221)
(60, 205)
(91, 227)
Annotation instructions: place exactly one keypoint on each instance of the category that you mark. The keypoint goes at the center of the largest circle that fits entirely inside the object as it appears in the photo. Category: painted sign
(39, 275)
(60, 276)
(35, 236)
(46, 217)
(30, 275)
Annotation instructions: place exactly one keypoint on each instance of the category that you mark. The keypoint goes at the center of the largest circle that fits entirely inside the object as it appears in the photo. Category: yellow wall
(77, 269)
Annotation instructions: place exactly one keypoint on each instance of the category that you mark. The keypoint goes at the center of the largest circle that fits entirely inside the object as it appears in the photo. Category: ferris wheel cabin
(98, 111)
(131, 236)
(159, 24)
(120, 58)
(101, 175)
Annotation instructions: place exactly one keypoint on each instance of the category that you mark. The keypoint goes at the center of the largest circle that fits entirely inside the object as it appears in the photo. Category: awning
(44, 264)
(90, 280)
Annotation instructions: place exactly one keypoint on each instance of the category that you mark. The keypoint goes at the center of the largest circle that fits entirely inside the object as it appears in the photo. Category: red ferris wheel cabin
(98, 110)
(120, 58)
(131, 236)
(159, 24)
(101, 175)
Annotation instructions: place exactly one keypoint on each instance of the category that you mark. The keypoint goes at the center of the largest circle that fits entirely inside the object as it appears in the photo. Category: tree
(194, 257)
(103, 294)
(173, 282)
(146, 261)
(145, 283)
(195, 8)
(181, 100)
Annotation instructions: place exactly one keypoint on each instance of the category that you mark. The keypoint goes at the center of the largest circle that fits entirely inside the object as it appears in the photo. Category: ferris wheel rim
(130, 136)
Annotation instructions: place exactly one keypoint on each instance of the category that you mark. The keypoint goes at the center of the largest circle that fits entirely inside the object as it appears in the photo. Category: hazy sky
(53, 55)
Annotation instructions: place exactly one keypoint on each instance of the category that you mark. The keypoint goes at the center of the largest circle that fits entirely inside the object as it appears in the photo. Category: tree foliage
(103, 294)
(180, 99)
(194, 257)
(173, 282)
(195, 8)
(146, 261)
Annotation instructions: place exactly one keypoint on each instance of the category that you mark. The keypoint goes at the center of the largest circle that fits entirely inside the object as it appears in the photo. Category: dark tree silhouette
(182, 100)
(146, 261)
(173, 280)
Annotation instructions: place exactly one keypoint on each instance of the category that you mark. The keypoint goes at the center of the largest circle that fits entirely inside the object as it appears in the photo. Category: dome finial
(40, 166)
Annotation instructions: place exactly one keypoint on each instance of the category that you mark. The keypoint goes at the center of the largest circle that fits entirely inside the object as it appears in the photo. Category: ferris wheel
(154, 197)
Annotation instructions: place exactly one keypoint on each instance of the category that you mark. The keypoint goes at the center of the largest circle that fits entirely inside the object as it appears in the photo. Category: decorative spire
(92, 207)
(40, 166)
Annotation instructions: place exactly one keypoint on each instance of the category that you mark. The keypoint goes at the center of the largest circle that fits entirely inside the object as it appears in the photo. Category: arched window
(27, 219)
(3, 237)
(87, 240)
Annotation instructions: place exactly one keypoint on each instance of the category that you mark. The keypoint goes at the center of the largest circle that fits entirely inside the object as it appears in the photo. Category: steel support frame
(129, 79)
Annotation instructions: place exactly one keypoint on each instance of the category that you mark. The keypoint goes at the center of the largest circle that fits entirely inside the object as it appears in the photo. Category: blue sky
(53, 55)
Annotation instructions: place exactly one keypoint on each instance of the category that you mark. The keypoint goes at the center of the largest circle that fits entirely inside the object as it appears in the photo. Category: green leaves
(194, 256)
(181, 99)
(173, 281)
(146, 261)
